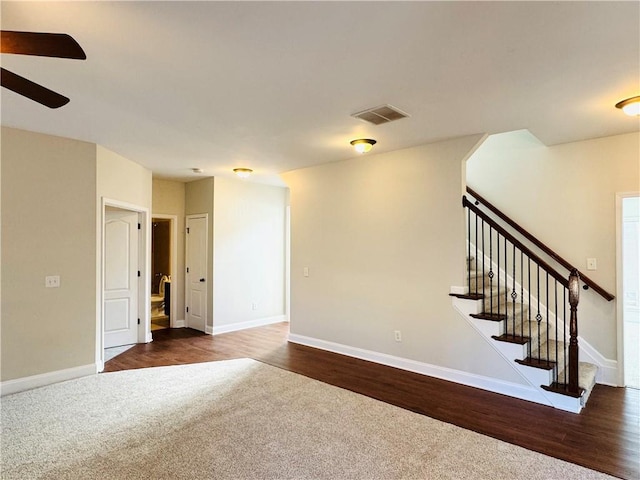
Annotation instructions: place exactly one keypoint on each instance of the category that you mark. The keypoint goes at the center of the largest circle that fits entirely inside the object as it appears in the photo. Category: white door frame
(173, 220)
(208, 330)
(144, 289)
(619, 282)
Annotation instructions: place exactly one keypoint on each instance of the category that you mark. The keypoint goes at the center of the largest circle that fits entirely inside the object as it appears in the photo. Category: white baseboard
(607, 369)
(523, 392)
(260, 322)
(178, 324)
(208, 330)
(27, 383)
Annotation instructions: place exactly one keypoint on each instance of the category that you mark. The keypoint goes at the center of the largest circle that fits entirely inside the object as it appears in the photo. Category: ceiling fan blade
(58, 45)
(31, 90)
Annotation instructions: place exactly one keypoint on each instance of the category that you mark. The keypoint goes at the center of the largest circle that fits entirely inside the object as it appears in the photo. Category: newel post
(574, 297)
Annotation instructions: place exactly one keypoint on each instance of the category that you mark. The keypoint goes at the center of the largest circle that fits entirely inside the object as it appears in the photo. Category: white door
(196, 274)
(120, 277)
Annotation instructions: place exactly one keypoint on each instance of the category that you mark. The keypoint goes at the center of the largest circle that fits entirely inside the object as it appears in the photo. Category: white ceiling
(271, 85)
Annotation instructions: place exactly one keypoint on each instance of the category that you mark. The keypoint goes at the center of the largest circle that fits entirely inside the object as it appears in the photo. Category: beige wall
(123, 180)
(48, 228)
(384, 239)
(249, 253)
(169, 199)
(565, 195)
(199, 199)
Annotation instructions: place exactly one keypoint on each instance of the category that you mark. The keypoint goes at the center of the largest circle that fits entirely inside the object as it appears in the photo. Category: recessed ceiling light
(242, 172)
(363, 145)
(630, 106)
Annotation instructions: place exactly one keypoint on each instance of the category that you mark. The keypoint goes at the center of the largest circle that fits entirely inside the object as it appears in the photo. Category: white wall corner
(208, 330)
(260, 322)
(34, 381)
(607, 369)
(178, 324)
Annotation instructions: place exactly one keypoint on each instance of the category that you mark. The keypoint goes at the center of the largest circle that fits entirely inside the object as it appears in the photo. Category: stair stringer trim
(506, 350)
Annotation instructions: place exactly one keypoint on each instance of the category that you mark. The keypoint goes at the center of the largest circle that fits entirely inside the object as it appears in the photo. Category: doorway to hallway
(629, 242)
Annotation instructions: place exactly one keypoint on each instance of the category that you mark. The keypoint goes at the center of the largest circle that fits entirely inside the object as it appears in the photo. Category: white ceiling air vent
(379, 115)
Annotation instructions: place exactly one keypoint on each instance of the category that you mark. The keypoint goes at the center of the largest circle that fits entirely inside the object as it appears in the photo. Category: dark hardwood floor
(604, 437)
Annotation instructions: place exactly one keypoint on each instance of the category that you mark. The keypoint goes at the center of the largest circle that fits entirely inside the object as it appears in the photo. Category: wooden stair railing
(586, 280)
(520, 289)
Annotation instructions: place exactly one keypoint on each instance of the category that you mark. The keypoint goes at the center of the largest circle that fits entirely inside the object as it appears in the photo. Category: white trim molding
(178, 324)
(607, 369)
(620, 196)
(259, 322)
(516, 390)
(34, 381)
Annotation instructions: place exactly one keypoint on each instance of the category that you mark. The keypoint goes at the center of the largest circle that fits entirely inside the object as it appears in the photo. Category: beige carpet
(241, 419)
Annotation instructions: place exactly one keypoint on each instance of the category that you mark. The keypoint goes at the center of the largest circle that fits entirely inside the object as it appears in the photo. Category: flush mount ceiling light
(197, 170)
(242, 172)
(363, 145)
(630, 106)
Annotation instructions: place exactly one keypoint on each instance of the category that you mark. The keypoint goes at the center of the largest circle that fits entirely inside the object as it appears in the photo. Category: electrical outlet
(52, 281)
(305, 271)
(254, 306)
(397, 335)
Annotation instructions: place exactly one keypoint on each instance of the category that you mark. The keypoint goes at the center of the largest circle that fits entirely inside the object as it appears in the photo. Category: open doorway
(123, 318)
(629, 293)
(163, 271)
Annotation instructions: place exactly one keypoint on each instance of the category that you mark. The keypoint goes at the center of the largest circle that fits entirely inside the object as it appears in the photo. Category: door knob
(202, 279)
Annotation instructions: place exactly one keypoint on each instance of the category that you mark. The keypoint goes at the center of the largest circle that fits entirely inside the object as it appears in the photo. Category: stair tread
(493, 317)
(467, 296)
(533, 362)
(517, 339)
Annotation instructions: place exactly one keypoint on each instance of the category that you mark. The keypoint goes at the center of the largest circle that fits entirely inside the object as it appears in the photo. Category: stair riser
(476, 279)
(537, 376)
(551, 354)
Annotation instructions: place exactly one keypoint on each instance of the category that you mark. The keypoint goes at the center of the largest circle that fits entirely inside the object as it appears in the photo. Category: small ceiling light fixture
(363, 145)
(197, 170)
(242, 172)
(630, 106)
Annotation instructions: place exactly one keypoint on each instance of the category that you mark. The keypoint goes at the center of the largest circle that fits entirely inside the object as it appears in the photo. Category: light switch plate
(592, 264)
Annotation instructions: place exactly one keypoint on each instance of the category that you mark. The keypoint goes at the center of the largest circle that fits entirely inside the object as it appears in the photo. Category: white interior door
(121, 281)
(196, 274)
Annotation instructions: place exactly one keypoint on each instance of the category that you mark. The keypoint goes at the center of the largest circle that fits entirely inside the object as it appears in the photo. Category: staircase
(527, 311)
(513, 329)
